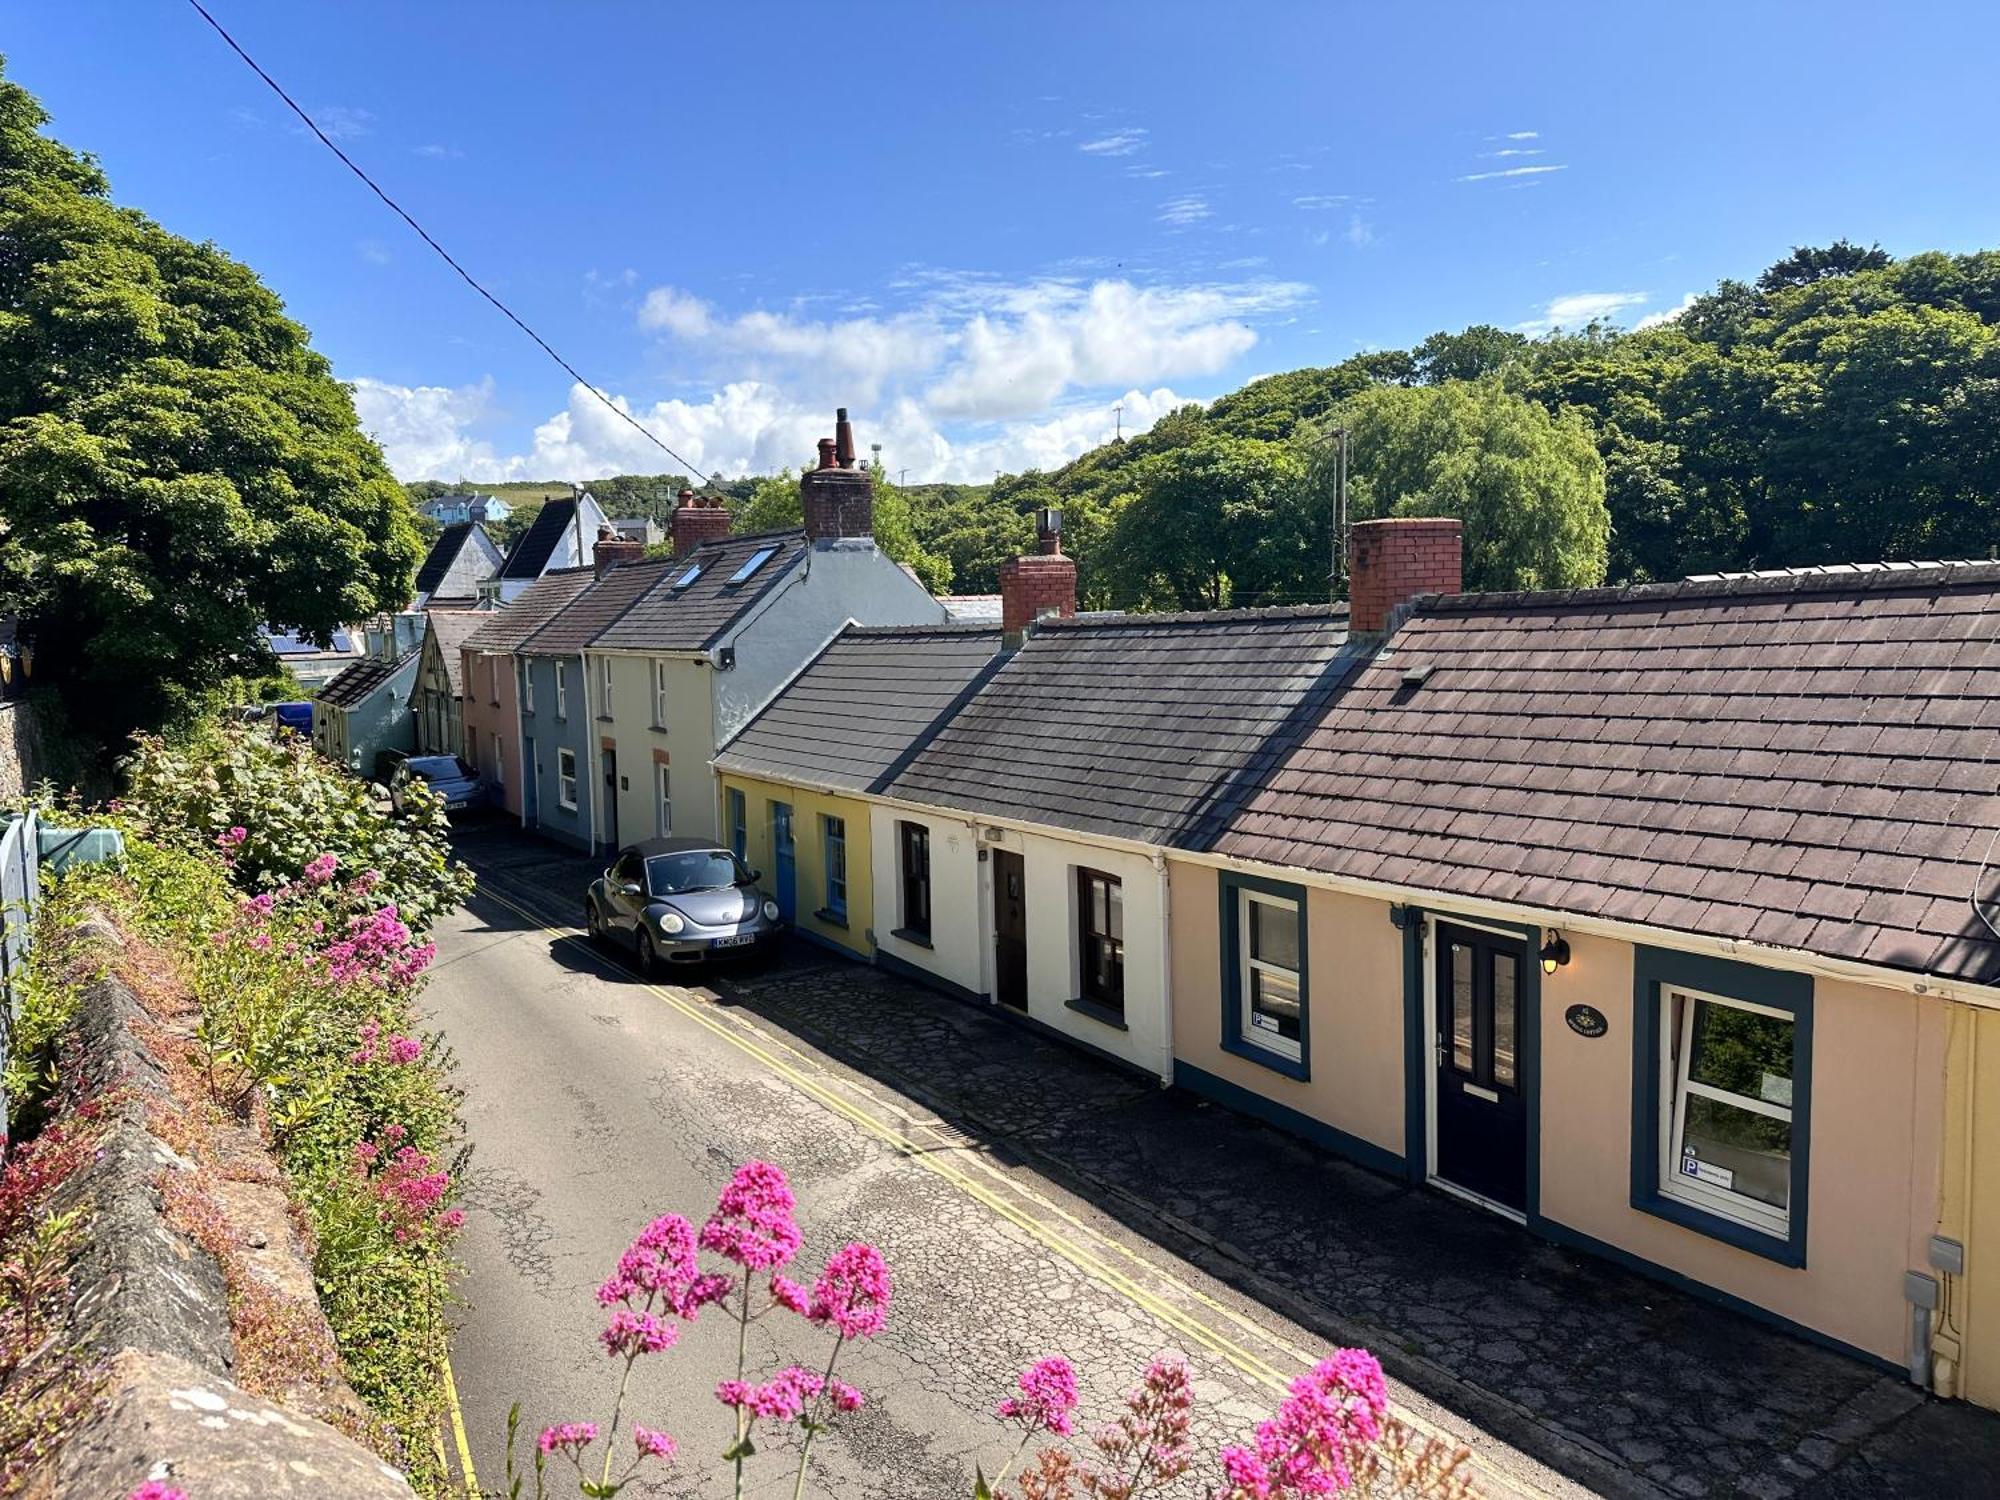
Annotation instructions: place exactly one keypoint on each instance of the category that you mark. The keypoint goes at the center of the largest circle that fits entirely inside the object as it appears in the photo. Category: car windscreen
(694, 870)
(438, 767)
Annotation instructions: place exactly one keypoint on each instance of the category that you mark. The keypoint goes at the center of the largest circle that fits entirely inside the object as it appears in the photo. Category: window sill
(912, 936)
(832, 918)
(1719, 1227)
(1277, 1062)
(1098, 1011)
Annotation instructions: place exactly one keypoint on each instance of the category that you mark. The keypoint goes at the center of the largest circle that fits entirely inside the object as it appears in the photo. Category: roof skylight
(686, 579)
(751, 564)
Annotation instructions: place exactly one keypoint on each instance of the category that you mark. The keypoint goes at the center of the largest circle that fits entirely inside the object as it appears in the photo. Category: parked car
(448, 776)
(681, 901)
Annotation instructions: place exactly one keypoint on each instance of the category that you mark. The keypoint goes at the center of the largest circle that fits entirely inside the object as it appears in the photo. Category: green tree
(177, 465)
(1480, 350)
(1807, 264)
(1527, 482)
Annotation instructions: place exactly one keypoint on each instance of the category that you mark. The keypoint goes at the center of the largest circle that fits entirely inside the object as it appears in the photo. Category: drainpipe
(591, 759)
(1166, 971)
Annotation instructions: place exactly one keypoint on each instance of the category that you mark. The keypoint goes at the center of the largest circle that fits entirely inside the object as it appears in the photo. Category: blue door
(784, 858)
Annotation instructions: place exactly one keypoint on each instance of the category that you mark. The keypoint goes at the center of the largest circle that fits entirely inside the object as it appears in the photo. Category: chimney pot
(826, 450)
(843, 437)
(838, 498)
(1042, 583)
(612, 551)
(698, 519)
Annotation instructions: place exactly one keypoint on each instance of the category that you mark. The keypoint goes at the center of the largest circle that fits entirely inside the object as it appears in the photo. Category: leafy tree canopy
(775, 504)
(177, 465)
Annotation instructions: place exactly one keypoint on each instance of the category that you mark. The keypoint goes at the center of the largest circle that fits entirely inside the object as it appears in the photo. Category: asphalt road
(595, 1102)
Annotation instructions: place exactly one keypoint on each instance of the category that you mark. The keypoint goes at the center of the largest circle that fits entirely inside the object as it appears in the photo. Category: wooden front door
(1010, 930)
(1482, 1110)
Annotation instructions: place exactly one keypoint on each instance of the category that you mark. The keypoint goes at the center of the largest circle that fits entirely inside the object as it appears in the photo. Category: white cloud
(438, 152)
(343, 122)
(860, 353)
(1118, 143)
(1312, 201)
(1512, 172)
(1666, 314)
(1575, 309)
(1517, 151)
(1524, 135)
(373, 251)
(1148, 174)
(1359, 231)
(423, 429)
(1190, 208)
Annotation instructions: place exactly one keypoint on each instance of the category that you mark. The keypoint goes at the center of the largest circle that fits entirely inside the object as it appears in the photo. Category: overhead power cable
(470, 280)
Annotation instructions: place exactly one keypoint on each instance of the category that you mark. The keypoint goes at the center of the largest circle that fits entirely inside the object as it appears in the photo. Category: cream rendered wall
(687, 738)
(960, 891)
(1967, 1348)
(1049, 866)
(1354, 959)
(1877, 1134)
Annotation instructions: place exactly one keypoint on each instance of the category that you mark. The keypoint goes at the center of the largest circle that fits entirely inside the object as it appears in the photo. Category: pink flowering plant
(1332, 1433)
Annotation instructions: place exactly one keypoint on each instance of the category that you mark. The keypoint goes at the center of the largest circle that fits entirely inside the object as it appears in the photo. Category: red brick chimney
(1042, 583)
(838, 496)
(698, 519)
(611, 549)
(1393, 561)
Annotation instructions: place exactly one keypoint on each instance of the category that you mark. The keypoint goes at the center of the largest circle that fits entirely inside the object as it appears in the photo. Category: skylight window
(687, 579)
(755, 561)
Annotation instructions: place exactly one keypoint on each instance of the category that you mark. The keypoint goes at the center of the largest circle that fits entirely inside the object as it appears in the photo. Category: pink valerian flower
(852, 1293)
(660, 1267)
(844, 1396)
(789, 1295)
(1148, 1446)
(1308, 1448)
(258, 906)
(319, 871)
(782, 1398)
(371, 1032)
(366, 881)
(653, 1444)
(231, 838)
(632, 1333)
(154, 1489)
(1048, 1396)
(408, 1188)
(752, 1223)
(567, 1438)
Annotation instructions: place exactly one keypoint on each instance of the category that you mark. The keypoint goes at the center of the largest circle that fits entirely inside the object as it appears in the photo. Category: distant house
(455, 510)
(499, 741)
(641, 529)
(562, 535)
(460, 563)
(366, 709)
(313, 664)
(440, 680)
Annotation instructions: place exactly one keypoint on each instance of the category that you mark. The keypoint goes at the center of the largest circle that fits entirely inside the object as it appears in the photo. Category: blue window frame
(755, 561)
(739, 824)
(1266, 991)
(1722, 1099)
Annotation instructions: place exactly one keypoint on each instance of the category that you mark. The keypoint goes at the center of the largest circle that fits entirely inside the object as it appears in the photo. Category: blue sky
(983, 226)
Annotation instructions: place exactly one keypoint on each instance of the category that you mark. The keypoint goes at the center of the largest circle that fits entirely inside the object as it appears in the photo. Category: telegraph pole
(1118, 411)
(1339, 574)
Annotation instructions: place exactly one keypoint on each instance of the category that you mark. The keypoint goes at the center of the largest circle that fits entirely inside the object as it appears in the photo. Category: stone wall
(21, 758)
(152, 1306)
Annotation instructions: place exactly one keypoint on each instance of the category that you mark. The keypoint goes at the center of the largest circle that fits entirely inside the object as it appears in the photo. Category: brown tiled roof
(451, 627)
(864, 705)
(505, 628)
(1137, 726)
(583, 618)
(1810, 761)
(690, 618)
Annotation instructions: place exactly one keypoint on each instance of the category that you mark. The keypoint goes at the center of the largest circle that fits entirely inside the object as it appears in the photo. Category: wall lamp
(1555, 952)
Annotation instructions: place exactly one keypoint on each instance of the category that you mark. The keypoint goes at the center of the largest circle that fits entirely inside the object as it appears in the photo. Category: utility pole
(1339, 574)
(900, 473)
(1118, 411)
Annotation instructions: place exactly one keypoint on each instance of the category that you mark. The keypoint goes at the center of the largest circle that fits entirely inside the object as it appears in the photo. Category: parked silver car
(681, 901)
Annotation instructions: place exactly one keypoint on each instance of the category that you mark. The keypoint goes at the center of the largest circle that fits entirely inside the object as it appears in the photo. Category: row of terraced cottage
(1655, 918)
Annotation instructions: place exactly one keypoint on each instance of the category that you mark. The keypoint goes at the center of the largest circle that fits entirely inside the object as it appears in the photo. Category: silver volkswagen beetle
(681, 900)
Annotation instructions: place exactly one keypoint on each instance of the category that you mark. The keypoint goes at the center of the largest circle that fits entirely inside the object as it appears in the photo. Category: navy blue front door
(1482, 1111)
(784, 858)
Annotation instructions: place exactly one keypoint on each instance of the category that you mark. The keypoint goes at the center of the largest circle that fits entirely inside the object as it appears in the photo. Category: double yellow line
(1095, 1265)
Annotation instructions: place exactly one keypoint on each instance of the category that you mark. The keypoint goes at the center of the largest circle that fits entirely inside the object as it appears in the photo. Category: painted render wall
(1968, 1349)
(1877, 1106)
(551, 732)
(961, 893)
(687, 739)
(490, 706)
(809, 807)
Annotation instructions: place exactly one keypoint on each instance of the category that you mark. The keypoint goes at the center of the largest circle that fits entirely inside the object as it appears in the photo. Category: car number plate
(735, 940)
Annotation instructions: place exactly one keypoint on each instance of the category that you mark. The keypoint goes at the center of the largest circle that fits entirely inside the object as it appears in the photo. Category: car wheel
(649, 961)
(593, 924)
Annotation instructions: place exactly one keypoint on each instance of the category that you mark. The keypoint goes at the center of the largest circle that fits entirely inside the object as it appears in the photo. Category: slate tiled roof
(444, 552)
(579, 622)
(1810, 761)
(451, 627)
(860, 709)
(1138, 726)
(505, 628)
(531, 551)
(357, 684)
(689, 619)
